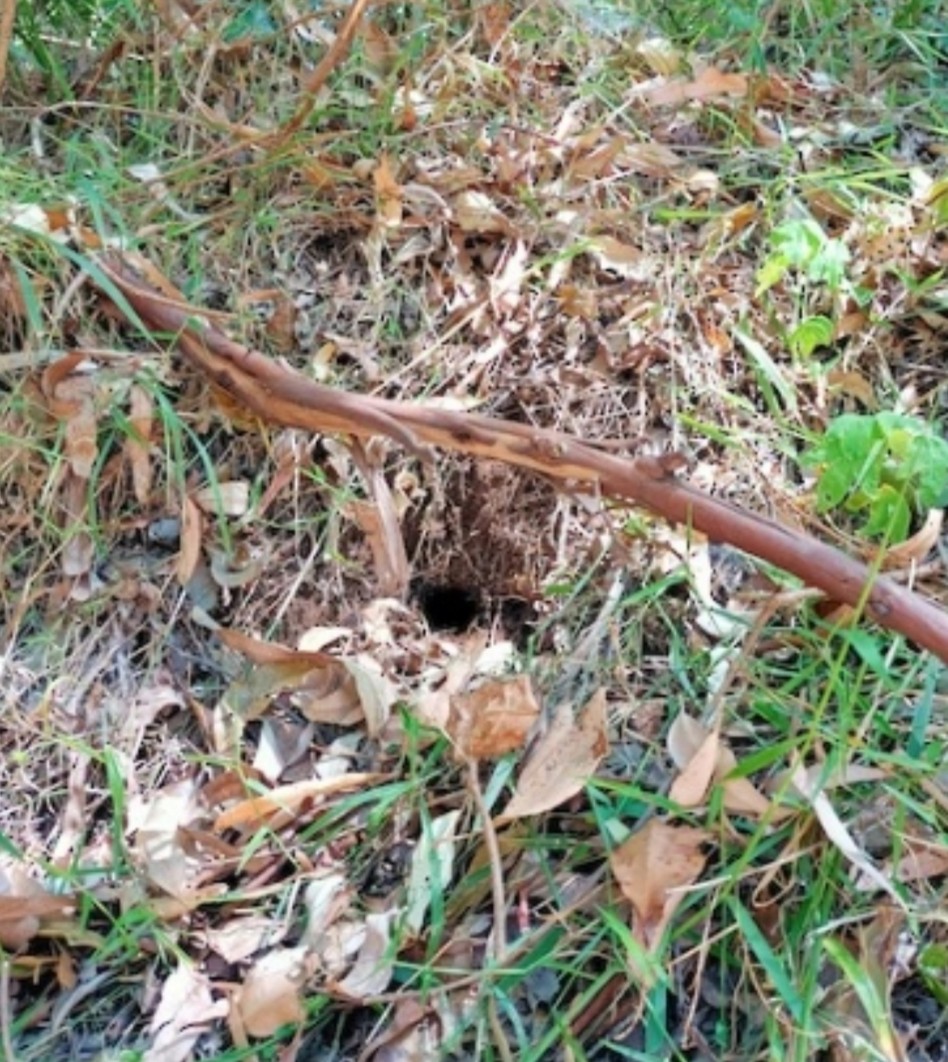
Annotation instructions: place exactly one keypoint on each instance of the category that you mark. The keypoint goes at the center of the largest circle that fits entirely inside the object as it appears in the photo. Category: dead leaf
(696, 751)
(562, 761)
(376, 694)
(741, 796)
(660, 55)
(379, 523)
(239, 938)
(373, 968)
(24, 905)
(852, 382)
(916, 548)
(918, 861)
(475, 212)
(79, 549)
(494, 719)
(652, 868)
(388, 194)
(270, 996)
(650, 159)
(710, 84)
(229, 498)
(620, 258)
(191, 527)
(253, 813)
(809, 787)
(156, 824)
(138, 443)
(185, 1011)
(260, 652)
(691, 786)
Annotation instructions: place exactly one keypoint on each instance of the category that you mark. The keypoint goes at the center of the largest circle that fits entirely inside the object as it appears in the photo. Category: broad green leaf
(889, 514)
(810, 333)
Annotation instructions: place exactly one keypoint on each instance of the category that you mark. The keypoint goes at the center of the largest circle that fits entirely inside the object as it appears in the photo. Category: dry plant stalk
(282, 395)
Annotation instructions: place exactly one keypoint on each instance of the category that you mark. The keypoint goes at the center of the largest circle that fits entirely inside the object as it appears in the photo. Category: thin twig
(7, 15)
(498, 896)
(6, 1018)
(499, 900)
(327, 64)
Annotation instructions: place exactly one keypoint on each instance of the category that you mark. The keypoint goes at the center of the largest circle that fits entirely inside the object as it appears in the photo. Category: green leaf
(889, 514)
(933, 966)
(798, 241)
(810, 333)
(829, 265)
(771, 272)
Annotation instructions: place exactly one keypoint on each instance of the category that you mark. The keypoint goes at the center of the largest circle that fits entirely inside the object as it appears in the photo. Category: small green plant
(801, 250)
(802, 247)
(885, 466)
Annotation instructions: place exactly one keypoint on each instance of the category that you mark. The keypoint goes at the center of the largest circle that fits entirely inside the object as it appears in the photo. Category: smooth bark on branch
(283, 395)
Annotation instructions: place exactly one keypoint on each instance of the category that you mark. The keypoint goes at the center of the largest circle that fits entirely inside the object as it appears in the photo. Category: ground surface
(569, 783)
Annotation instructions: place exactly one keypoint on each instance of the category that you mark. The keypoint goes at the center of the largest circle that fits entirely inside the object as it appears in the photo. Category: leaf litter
(215, 777)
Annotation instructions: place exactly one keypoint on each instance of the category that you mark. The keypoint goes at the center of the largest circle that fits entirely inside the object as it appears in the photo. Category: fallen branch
(280, 394)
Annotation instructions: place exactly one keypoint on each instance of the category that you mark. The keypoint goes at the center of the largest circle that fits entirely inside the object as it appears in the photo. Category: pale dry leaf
(433, 706)
(185, 1011)
(412, 1035)
(810, 789)
(158, 840)
(741, 796)
(376, 693)
(326, 898)
(660, 55)
(691, 786)
(190, 552)
(282, 743)
(80, 443)
(373, 968)
(652, 868)
(73, 822)
(229, 498)
(475, 212)
(320, 684)
(598, 163)
(620, 258)
(141, 418)
(711, 83)
(261, 652)
(379, 523)
(24, 905)
(919, 861)
(337, 947)
(915, 549)
(317, 638)
(253, 813)
(687, 737)
(49, 222)
(494, 719)
(562, 761)
(271, 994)
(388, 194)
(506, 284)
(239, 938)
(851, 381)
(650, 159)
(78, 551)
